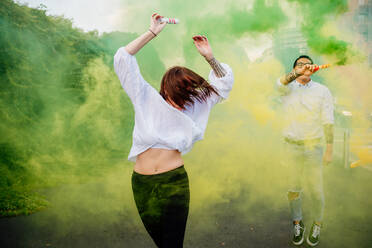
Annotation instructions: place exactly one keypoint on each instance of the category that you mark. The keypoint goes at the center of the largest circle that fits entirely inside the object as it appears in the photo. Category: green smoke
(63, 115)
(316, 14)
(260, 19)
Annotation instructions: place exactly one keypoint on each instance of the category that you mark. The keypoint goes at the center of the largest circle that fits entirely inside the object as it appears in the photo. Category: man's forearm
(136, 45)
(328, 133)
(217, 67)
(286, 79)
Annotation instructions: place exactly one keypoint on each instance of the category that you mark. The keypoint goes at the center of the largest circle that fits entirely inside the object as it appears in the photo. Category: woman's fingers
(156, 24)
(196, 43)
(200, 39)
(156, 16)
(161, 22)
(196, 40)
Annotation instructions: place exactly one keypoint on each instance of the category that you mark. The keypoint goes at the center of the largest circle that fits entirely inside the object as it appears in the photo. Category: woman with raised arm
(167, 124)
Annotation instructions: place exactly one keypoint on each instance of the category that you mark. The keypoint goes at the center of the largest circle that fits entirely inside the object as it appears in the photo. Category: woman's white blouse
(158, 124)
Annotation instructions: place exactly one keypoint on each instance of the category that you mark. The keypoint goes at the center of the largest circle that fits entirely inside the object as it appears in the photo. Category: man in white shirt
(308, 112)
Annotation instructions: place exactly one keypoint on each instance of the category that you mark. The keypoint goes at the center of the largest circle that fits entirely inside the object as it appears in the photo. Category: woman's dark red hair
(183, 86)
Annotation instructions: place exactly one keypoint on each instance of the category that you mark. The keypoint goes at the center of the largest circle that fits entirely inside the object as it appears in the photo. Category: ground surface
(348, 221)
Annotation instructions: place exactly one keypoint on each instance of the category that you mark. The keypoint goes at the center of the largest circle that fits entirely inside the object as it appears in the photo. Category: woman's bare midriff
(157, 160)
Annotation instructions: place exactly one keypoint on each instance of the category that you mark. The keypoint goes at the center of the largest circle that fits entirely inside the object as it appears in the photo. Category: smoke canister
(169, 20)
(322, 67)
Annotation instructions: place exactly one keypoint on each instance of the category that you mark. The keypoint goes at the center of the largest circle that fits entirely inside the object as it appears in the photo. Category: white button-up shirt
(157, 123)
(306, 109)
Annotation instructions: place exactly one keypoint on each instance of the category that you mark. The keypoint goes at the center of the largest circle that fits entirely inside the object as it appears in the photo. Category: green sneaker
(313, 238)
(298, 233)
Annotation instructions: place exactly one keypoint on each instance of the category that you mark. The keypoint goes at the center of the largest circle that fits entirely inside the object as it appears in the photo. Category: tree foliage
(62, 109)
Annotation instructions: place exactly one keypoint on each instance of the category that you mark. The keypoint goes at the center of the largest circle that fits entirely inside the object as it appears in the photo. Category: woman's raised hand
(201, 43)
(156, 26)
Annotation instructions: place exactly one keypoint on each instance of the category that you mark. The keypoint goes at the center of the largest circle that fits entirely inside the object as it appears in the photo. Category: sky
(86, 14)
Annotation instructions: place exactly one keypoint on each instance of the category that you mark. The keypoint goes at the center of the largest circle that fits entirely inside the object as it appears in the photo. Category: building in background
(359, 20)
(363, 23)
(288, 41)
(288, 44)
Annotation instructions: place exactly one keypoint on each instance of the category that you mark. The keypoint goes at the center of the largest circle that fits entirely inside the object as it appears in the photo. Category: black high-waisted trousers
(163, 203)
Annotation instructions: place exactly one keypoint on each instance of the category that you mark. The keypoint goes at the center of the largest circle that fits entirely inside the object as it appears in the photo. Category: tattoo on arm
(217, 68)
(328, 132)
(291, 76)
(286, 79)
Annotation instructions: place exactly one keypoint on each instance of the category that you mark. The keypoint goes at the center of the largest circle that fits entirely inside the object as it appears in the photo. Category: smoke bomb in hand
(169, 20)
